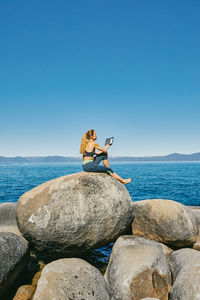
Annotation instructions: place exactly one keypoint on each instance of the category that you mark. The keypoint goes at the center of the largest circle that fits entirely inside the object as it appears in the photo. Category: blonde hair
(85, 140)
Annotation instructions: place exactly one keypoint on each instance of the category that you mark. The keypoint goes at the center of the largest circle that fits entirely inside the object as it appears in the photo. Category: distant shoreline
(174, 157)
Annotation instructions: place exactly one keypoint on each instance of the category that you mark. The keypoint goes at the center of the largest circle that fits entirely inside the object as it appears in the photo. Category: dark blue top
(90, 154)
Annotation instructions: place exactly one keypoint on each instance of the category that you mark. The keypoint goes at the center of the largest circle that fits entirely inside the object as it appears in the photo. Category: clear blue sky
(128, 69)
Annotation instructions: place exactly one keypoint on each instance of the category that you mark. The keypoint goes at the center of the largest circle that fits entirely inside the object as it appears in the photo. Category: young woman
(92, 158)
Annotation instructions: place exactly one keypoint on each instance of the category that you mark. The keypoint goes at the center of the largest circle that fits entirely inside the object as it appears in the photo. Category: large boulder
(138, 268)
(7, 218)
(75, 213)
(185, 266)
(71, 278)
(13, 258)
(165, 221)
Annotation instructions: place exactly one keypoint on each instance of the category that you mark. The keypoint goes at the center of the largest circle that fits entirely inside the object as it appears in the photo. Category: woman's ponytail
(85, 140)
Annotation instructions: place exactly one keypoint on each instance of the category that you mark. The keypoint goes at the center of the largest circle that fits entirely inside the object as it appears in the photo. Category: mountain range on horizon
(61, 159)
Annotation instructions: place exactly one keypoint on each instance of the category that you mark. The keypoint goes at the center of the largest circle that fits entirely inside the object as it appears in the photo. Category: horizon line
(111, 156)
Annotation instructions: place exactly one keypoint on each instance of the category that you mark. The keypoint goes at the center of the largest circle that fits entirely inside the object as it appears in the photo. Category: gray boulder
(165, 221)
(138, 268)
(73, 214)
(13, 258)
(185, 266)
(71, 278)
(7, 218)
(196, 211)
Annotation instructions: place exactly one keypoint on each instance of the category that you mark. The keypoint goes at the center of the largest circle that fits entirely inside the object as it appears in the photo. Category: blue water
(179, 181)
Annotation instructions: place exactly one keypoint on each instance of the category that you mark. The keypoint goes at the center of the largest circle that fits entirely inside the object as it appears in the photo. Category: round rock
(75, 213)
(71, 278)
(165, 221)
(13, 258)
(138, 268)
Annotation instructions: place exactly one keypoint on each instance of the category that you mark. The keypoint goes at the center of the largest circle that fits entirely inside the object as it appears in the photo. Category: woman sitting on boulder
(91, 158)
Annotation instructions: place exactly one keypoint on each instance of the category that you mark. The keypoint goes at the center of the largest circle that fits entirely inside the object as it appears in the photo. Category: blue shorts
(93, 165)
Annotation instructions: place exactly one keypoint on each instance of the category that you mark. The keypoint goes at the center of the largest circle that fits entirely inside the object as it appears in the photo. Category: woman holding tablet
(92, 158)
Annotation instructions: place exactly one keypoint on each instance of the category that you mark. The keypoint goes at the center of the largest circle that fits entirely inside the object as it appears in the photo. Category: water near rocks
(179, 181)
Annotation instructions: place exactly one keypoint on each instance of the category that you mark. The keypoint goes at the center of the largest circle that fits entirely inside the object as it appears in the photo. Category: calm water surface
(176, 181)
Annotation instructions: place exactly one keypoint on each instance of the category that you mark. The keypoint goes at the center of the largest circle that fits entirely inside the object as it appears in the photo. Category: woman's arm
(101, 148)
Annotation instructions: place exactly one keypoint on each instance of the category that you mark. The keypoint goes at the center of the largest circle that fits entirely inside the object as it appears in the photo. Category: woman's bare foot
(125, 181)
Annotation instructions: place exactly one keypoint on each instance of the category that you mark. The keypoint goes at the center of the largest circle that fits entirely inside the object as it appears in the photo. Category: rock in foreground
(75, 213)
(71, 278)
(13, 258)
(165, 221)
(138, 268)
(185, 265)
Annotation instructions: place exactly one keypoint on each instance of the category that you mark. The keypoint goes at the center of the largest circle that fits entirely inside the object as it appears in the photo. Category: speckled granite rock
(165, 221)
(7, 218)
(71, 278)
(138, 268)
(75, 213)
(13, 258)
(185, 266)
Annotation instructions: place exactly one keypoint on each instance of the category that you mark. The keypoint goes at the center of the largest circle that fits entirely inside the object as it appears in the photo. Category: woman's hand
(101, 148)
(107, 146)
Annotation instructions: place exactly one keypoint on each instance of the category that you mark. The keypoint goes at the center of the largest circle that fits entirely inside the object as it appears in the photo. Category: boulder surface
(7, 218)
(71, 278)
(185, 266)
(75, 213)
(13, 258)
(138, 268)
(165, 221)
(196, 211)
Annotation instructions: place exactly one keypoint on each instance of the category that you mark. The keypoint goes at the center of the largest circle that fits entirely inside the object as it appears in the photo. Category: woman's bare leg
(124, 181)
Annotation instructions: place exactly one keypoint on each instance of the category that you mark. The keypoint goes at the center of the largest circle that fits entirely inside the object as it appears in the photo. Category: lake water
(179, 181)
